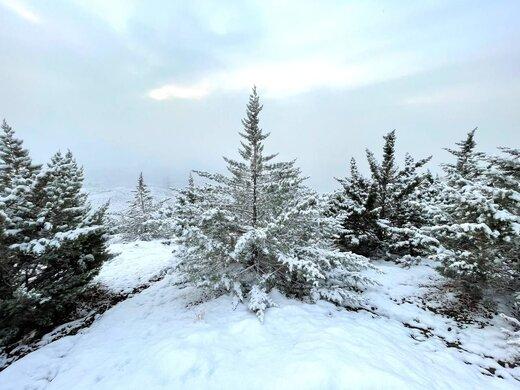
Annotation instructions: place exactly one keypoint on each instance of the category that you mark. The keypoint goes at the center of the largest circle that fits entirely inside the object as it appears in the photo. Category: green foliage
(51, 243)
(384, 214)
(479, 226)
(142, 219)
(260, 228)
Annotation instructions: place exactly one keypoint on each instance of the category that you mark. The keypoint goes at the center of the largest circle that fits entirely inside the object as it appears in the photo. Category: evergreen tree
(75, 244)
(6, 281)
(384, 214)
(355, 205)
(141, 220)
(52, 244)
(164, 219)
(260, 228)
(72, 246)
(184, 206)
(20, 225)
(406, 229)
(504, 174)
(17, 178)
(478, 228)
(467, 163)
(15, 159)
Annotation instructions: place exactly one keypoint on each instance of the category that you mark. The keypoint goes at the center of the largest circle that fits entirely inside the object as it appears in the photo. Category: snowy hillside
(120, 196)
(163, 337)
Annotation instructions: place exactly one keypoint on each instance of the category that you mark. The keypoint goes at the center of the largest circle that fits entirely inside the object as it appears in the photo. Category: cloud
(21, 10)
(285, 78)
(116, 13)
(179, 92)
(452, 94)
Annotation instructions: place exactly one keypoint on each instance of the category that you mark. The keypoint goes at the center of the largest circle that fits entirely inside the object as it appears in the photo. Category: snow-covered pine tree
(140, 220)
(48, 269)
(74, 242)
(383, 215)
(171, 210)
(20, 225)
(479, 227)
(512, 332)
(17, 177)
(503, 175)
(164, 219)
(6, 288)
(15, 160)
(406, 229)
(184, 206)
(354, 204)
(259, 228)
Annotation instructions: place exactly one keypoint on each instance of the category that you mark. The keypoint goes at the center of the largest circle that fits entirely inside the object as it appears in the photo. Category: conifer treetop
(15, 160)
(253, 136)
(466, 156)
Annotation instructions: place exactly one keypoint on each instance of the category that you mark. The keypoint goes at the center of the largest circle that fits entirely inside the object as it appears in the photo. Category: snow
(135, 264)
(164, 338)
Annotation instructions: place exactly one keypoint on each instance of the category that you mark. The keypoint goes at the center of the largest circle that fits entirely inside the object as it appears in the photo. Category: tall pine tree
(19, 216)
(479, 226)
(260, 228)
(74, 244)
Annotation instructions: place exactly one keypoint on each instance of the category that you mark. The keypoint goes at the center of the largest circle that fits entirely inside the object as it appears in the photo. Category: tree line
(260, 227)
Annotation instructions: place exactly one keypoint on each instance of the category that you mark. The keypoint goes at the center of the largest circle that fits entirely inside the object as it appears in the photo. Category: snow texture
(163, 338)
(135, 264)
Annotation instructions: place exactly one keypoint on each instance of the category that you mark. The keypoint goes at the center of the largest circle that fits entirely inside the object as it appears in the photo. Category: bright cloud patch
(281, 79)
(173, 91)
(21, 10)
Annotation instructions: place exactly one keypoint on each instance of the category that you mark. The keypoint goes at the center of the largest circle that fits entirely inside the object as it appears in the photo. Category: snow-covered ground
(134, 264)
(163, 338)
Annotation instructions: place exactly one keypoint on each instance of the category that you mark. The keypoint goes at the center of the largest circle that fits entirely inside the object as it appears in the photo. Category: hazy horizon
(161, 88)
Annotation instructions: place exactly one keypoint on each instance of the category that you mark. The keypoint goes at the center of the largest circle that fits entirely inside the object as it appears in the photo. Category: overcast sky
(161, 86)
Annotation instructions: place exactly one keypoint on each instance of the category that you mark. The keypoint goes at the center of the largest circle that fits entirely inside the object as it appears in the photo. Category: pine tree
(6, 281)
(74, 242)
(260, 228)
(383, 215)
(164, 219)
(17, 177)
(355, 206)
(141, 220)
(503, 178)
(15, 159)
(406, 229)
(55, 244)
(383, 175)
(468, 159)
(478, 229)
(20, 225)
(184, 206)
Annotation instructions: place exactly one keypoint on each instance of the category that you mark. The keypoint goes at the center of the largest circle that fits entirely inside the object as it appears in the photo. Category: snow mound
(134, 264)
(162, 338)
